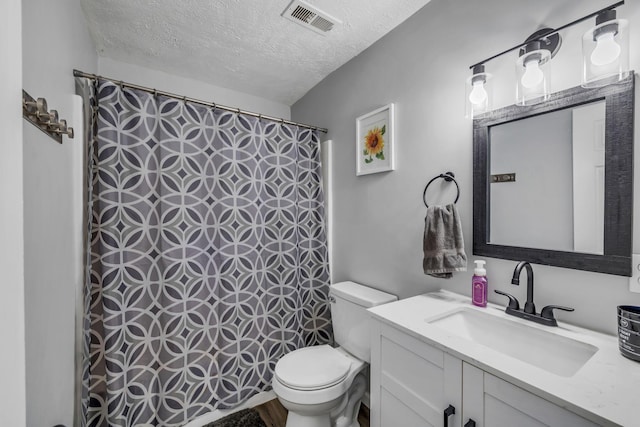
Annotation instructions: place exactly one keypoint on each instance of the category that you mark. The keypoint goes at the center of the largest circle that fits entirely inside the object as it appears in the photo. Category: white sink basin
(554, 353)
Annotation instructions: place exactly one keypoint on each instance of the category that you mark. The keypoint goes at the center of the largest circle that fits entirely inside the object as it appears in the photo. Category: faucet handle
(547, 312)
(513, 302)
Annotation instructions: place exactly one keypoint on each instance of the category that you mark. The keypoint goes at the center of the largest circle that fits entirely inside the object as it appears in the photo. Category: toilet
(322, 386)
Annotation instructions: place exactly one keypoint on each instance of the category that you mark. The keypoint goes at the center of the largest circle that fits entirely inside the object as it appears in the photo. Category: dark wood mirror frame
(618, 211)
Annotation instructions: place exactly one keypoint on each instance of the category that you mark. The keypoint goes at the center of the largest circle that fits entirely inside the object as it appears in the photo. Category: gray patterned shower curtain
(206, 256)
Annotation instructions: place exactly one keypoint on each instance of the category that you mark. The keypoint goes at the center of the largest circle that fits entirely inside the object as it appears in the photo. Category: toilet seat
(333, 388)
(313, 368)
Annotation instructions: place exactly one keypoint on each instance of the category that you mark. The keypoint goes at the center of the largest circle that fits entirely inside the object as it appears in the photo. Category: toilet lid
(312, 368)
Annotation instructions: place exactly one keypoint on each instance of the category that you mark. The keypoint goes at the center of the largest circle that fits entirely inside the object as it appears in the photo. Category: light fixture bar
(551, 31)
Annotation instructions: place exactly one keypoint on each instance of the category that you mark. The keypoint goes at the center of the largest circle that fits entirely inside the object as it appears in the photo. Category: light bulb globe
(606, 50)
(533, 75)
(478, 94)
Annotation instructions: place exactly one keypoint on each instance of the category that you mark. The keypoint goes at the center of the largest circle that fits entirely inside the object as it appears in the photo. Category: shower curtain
(207, 256)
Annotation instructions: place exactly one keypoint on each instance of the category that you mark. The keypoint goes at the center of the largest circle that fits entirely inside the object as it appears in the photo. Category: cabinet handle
(447, 412)
(470, 423)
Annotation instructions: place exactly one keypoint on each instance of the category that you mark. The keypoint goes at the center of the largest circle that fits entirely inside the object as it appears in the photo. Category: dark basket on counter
(629, 331)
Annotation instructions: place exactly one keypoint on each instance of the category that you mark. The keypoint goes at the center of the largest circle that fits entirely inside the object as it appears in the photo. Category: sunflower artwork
(375, 144)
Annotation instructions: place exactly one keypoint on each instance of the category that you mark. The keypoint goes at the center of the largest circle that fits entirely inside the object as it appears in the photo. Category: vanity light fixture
(605, 61)
(533, 66)
(605, 51)
(478, 93)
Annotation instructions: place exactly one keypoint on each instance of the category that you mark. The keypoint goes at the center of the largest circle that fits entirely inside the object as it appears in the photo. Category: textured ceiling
(245, 45)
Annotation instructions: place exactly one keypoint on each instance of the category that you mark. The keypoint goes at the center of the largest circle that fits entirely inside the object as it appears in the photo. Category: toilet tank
(350, 319)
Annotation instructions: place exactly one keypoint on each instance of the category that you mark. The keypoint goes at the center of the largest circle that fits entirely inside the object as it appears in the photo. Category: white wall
(55, 42)
(421, 66)
(191, 88)
(12, 365)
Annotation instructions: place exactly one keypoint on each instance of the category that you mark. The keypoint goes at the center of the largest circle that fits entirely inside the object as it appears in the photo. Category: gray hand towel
(443, 243)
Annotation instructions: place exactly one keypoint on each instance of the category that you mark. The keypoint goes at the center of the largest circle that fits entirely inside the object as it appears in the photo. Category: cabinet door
(492, 402)
(412, 383)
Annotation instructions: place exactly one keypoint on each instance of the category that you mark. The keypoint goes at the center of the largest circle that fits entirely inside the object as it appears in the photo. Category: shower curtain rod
(78, 73)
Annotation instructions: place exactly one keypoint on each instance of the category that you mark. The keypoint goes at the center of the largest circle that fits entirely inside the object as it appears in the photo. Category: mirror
(556, 160)
(553, 182)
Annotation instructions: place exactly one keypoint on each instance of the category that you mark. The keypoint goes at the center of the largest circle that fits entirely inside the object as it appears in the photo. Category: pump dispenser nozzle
(479, 270)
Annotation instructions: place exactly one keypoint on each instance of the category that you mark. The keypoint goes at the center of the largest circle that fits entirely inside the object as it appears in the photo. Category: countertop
(606, 390)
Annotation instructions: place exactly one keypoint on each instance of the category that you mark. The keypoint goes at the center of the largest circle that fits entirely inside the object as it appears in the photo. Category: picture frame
(375, 141)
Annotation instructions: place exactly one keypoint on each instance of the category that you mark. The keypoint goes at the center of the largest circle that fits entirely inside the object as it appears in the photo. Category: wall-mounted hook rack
(37, 113)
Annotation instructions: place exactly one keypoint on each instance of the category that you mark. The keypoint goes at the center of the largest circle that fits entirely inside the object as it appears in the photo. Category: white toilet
(322, 386)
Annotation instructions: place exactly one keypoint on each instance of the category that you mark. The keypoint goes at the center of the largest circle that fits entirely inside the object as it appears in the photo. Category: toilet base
(309, 415)
(353, 420)
(339, 412)
(297, 420)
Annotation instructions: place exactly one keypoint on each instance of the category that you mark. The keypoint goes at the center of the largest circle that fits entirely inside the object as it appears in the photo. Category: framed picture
(375, 143)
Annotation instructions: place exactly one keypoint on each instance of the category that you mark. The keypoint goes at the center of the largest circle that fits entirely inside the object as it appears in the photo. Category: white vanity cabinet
(412, 383)
(493, 402)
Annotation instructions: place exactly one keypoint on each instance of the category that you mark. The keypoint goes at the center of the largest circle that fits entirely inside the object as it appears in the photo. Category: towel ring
(447, 176)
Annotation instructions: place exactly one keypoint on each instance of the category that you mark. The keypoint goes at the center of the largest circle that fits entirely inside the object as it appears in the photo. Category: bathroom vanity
(437, 360)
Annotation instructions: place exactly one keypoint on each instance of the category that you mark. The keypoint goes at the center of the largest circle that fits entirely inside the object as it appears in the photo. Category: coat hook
(37, 113)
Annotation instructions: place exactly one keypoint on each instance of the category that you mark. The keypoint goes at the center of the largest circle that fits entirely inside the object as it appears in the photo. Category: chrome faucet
(546, 316)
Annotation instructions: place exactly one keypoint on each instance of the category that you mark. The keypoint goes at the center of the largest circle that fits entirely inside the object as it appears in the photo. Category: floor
(274, 415)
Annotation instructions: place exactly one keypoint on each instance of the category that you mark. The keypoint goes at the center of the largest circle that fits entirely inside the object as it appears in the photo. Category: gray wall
(55, 41)
(12, 364)
(191, 88)
(421, 66)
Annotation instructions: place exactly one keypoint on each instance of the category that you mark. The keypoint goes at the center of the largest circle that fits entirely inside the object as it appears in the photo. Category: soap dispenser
(479, 285)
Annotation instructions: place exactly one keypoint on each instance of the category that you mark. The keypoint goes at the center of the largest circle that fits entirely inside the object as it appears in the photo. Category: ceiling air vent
(310, 17)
